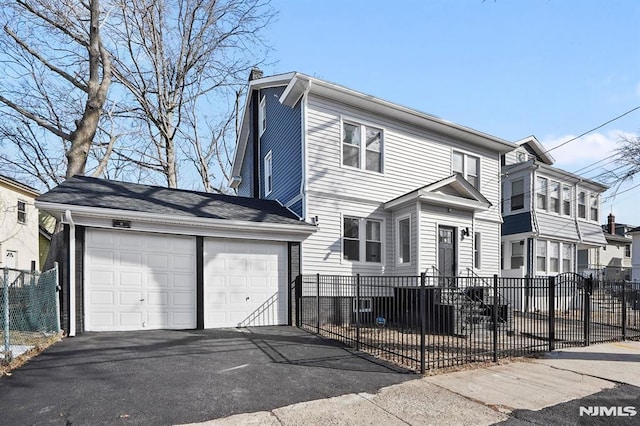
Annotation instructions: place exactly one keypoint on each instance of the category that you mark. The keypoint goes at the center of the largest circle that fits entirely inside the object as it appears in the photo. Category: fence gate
(571, 298)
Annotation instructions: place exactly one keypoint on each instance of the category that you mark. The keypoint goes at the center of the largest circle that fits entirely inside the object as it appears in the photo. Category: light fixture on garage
(315, 221)
(118, 223)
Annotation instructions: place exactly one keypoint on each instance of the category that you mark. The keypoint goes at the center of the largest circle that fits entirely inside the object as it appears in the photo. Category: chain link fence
(29, 311)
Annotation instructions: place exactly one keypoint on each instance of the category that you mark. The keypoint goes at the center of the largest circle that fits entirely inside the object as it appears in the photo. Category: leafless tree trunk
(49, 52)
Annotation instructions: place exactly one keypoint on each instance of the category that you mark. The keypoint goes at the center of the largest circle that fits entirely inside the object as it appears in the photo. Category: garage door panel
(244, 282)
(134, 290)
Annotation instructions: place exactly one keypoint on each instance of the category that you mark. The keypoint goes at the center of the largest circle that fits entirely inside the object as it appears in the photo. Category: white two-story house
(551, 217)
(392, 190)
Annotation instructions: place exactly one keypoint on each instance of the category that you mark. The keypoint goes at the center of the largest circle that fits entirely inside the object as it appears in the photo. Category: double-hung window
(554, 256)
(566, 200)
(627, 250)
(582, 205)
(22, 212)
(554, 197)
(595, 204)
(541, 256)
(517, 194)
(517, 254)
(468, 166)
(362, 147)
(361, 236)
(566, 257)
(541, 193)
(404, 240)
(268, 173)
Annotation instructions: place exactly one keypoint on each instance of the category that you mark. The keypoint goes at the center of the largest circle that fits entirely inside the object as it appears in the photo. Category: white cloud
(584, 151)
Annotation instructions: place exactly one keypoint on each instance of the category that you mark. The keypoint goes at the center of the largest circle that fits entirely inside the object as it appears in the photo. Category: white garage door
(136, 281)
(245, 283)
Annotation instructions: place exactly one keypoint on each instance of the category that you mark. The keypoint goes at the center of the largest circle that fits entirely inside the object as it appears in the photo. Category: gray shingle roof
(92, 192)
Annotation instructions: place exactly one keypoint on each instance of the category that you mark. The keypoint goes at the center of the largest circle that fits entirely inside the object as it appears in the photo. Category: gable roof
(18, 186)
(99, 194)
(533, 146)
(452, 191)
(298, 84)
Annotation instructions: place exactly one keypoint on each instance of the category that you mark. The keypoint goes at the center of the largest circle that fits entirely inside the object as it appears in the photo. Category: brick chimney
(612, 223)
(255, 73)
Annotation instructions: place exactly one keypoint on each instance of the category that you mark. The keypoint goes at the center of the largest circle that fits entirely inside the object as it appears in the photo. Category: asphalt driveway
(168, 377)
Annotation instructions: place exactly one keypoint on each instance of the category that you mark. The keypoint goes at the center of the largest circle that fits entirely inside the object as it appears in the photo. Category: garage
(141, 257)
(245, 283)
(137, 281)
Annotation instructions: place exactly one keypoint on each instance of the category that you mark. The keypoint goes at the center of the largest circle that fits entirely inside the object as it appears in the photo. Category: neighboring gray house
(551, 217)
(635, 253)
(392, 191)
(138, 257)
(615, 257)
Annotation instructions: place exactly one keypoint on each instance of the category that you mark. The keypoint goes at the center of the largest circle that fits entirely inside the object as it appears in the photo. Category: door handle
(142, 300)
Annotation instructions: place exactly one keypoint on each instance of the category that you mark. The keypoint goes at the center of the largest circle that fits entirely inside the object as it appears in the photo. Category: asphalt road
(167, 377)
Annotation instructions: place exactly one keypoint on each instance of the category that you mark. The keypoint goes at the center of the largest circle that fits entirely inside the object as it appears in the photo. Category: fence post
(495, 318)
(318, 303)
(298, 300)
(624, 311)
(5, 308)
(586, 311)
(423, 321)
(552, 313)
(357, 312)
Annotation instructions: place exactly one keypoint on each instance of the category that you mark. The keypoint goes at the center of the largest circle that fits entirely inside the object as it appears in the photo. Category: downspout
(303, 153)
(72, 275)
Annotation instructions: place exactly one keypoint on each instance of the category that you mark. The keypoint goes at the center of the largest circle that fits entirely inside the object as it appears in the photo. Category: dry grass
(37, 340)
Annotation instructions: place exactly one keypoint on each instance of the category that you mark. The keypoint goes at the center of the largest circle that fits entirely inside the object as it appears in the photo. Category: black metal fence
(429, 322)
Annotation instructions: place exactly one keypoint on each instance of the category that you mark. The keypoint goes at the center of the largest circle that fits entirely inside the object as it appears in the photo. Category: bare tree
(57, 75)
(627, 157)
(179, 60)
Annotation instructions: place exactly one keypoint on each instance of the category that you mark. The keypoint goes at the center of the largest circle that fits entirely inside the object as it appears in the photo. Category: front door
(447, 251)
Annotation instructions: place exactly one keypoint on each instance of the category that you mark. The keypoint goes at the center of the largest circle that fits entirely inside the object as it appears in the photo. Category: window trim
(362, 309)
(477, 250)
(593, 196)
(512, 196)
(268, 173)
(465, 166)
(523, 256)
(362, 239)
(262, 115)
(581, 204)
(542, 195)
(563, 201)
(400, 262)
(362, 148)
(21, 212)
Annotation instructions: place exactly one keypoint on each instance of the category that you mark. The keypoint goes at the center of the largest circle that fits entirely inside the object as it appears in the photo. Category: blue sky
(549, 68)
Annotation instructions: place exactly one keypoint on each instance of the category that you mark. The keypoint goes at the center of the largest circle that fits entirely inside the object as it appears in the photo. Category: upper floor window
(517, 194)
(627, 250)
(566, 200)
(468, 166)
(353, 244)
(362, 145)
(582, 205)
(268, 173)
(476, 250)
(404, 240)
(262, 116)
(541, 193)
(595, 204)
(554, 197)
(22, 212)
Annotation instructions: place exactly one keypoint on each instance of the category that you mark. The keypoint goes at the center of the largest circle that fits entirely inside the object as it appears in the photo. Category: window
(365, 304)
(566, 257)
(554, 197)
(566, 200)
(595, 204)
(468, 166)
(262, 116)
(374, 242)
(517, 254)
(517, 194)
(541, 256)
(404, 240)
(582, 205)
(501, 255)
(353, 244)
(268, 174)
(541, 193)
(351, 239)
(352, 142)
(554, 257)
(22, 212)
(476, 250)
(627, 250)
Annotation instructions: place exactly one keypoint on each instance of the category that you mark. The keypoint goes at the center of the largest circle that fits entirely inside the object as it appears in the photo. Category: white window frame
(586, 201)
(362, 239)
(523, 256)
(516, 195)
(399, 258)
(539, 245)
(627, 250)
(367, 301)
(477, 250)
(563, 200)
(595, 197)
(21, 212)
(542, 193)
(362, 148)
(268, 173)
(465, 166)
(558, 197)
(262, 116)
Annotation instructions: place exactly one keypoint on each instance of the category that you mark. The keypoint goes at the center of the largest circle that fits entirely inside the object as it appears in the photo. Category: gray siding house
(391, 190)
(551, 217)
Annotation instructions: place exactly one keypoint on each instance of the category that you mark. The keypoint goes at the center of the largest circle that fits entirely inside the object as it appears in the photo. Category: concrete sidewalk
(479, 396)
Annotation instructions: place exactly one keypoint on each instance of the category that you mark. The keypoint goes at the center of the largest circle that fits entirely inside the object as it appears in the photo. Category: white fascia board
(450, 201)
(401, 201)
(297, 87)
(90, 216)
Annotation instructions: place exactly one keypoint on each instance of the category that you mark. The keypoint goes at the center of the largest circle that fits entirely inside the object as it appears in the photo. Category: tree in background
(178, 67)
(56, 74)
